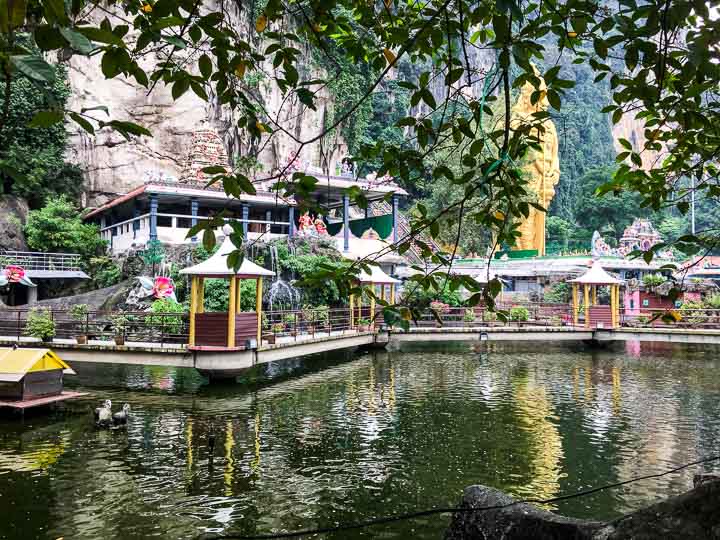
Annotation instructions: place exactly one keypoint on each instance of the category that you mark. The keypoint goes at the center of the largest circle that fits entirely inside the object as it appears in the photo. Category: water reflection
(342, 439)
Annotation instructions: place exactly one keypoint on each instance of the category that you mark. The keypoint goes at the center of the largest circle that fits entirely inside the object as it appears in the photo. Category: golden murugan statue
(542, 169)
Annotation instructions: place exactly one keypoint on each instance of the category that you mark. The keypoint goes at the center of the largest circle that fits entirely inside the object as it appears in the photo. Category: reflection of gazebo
(224, 330)
(598, 316)
(376, 278)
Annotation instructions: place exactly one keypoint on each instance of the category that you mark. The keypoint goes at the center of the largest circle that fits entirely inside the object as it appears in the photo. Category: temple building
(165, 208)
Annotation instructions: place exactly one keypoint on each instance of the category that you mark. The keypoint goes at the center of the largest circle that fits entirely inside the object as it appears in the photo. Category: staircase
(382, 208)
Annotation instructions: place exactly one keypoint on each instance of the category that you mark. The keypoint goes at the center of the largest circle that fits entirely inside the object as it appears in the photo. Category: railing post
(18, 326)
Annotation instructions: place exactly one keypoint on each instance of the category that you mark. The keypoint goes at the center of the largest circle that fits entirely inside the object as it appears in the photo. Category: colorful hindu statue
(305, 224)
(543, 167)
(320, 225)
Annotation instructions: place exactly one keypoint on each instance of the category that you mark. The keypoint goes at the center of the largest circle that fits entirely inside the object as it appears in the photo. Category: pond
(322, 441)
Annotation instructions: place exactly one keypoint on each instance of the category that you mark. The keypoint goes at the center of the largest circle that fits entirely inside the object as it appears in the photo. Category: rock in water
(692, 515)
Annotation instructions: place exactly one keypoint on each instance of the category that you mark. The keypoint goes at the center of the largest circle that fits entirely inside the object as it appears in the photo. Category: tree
(58, 227)
(36, 154)
(659, 57)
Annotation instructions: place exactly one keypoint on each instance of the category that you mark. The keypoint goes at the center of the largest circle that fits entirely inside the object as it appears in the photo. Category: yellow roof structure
(377, 277)
(16, 363)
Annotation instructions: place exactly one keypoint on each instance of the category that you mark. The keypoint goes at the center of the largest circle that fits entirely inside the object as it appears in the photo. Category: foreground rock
(695, 514)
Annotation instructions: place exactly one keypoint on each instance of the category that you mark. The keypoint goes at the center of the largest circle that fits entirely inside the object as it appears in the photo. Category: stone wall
(113, 165)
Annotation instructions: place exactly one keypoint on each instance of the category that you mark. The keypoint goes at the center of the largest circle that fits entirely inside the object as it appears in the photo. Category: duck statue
(120, 418)
(103, 415)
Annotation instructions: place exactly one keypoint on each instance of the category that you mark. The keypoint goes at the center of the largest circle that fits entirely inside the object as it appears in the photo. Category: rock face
(14, 213)
(113, 165)
(695, 514)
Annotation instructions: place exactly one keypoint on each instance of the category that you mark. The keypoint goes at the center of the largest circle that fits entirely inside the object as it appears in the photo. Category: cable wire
(433, 511)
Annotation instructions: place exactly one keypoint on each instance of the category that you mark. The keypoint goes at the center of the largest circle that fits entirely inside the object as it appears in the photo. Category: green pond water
(322, 441)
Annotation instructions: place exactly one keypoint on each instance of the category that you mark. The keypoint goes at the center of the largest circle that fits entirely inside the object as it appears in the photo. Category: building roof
(16, 363)
(217, 266)
(597, 276)
(377, 277)
(189, 190)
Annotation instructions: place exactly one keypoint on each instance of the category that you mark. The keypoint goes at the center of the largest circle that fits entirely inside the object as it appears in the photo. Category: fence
(29, 260)
(310, 321)
(132, 326)
(708, 318)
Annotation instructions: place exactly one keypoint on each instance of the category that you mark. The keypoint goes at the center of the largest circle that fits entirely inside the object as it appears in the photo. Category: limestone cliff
(633, 131)
(113, 165)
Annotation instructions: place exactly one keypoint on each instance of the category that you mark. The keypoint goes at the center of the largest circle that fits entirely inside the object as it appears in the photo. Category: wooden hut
(375, 279)
(224, 331)
(28, 374)
(597, 316)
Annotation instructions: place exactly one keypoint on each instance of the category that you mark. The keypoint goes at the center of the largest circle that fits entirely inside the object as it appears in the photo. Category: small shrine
(597, 315)
(206, 150)
(641, 235)
(232, 330)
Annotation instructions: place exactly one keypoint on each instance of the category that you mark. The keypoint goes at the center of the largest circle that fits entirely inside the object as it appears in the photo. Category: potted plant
(277, 328)
(40, 324)
(119, 324)
(363, 325)
(79, 313)
(469, 315)
(290, 321)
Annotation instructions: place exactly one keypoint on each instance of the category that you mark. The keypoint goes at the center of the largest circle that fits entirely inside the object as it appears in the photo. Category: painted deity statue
(543, 167)
(320, 225)
(305, 223)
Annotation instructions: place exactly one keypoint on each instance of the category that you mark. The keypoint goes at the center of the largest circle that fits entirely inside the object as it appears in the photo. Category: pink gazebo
(597, 316)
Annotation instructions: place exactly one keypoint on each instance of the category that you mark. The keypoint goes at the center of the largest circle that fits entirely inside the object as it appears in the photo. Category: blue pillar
(194, 206)
(395, 201)
(153, 216)
(346, 223)
(135, 223)
(245, 217)
(291, 219)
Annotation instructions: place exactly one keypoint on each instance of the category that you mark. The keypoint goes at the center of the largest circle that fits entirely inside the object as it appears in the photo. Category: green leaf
(43, 119)
(553, 98)
(34, 68)
(176, 41)
(82, 122)
(55, 11)
(95, 108)
(127, 128)
(100, 35)
(214, 169)
(198, 89)
(205, 65)
(48, 38)
(77, 41)
(179, 88)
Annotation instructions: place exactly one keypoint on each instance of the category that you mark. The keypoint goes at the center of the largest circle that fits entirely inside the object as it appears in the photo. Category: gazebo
(376, 277)
(224, 331)
(597, 316)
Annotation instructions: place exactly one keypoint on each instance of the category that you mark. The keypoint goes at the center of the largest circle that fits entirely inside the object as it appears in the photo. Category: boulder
(13, 216)
(694, 514)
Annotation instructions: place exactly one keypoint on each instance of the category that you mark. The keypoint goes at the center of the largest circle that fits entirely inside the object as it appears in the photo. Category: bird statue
(103, 415)
(120, 418)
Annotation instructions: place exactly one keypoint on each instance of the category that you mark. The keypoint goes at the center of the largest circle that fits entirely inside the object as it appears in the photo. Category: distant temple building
(164, 208)
(641, 235)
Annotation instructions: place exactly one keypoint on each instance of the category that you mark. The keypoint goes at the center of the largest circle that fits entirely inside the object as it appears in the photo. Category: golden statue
(542, 169)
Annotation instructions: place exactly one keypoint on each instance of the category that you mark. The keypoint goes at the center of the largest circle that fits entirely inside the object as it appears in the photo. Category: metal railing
(118, 327)
(530, 314)
(31, 260)
(311, 321)
(708, 318)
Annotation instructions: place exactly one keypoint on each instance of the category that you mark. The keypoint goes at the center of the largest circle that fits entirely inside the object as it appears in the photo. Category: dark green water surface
(332, 440)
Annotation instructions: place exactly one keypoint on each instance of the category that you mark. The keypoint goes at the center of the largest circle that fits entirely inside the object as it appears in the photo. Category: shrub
(79, 312)
(58, 227)
(653, 280)
(713, 302)
(489, 316)
(278, 327)
(519, 313)
(119, 324)
(171, 324)
(557, 293)
(469, 315)
(40, 324)
(439, 307)
(689, 311)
